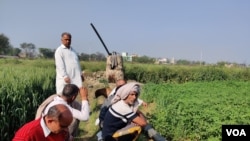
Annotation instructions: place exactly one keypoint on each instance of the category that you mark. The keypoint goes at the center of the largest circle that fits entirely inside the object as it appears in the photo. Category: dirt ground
(88, 129)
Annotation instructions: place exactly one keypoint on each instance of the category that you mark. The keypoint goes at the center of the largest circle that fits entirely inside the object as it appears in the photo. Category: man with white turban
(123, 111)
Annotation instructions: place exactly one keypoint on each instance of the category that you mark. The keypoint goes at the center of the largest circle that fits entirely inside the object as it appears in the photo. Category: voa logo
(236, 132)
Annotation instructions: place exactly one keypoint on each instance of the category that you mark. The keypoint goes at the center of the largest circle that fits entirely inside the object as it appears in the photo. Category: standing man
(50, 127)
(68, 69)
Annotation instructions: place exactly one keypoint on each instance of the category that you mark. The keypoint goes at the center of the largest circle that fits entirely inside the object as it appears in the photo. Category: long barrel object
(100, 39)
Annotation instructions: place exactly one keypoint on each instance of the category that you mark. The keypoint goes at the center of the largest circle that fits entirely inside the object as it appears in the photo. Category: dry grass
(88, 129)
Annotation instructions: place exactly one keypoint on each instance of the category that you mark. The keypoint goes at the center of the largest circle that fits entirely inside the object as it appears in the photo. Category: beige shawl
(123, 92)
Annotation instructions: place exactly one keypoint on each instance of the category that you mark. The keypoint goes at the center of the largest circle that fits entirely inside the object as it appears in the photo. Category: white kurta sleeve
(82, 115)
(59, 62)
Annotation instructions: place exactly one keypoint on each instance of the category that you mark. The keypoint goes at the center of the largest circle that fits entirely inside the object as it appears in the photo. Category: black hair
(70, 90)
(66, 33)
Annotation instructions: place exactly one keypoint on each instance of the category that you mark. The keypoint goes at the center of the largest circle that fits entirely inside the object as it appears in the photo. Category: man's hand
(67, 80)
(144, 104)
(84, 93)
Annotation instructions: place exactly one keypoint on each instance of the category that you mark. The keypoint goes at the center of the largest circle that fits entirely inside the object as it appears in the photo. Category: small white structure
(172, 61)
(126, 57)
(163, 60)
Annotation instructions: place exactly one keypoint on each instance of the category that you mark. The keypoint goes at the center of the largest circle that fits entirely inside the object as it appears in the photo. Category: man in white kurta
(68, 69)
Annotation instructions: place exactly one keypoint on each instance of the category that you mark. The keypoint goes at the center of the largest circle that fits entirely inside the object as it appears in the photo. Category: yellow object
(130, 130)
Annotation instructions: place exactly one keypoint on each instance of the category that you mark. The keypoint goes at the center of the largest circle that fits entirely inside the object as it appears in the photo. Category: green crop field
(185, 102)
(197, 110)
(193, 111)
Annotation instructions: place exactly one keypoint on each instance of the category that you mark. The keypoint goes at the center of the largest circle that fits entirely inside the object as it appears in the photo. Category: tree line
(28, 50)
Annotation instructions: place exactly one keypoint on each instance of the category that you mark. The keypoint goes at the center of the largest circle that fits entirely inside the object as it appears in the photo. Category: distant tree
(201, 62)
(222, 63)
(14, 51)
(46, 52)
(92, 57)
(197, 63)
(143, 59)
(5, 46)
(100, 56)
(84, 57)
(29, 49)
(183, 62)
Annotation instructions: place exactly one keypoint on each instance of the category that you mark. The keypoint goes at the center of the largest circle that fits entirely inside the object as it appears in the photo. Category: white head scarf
(123, 92)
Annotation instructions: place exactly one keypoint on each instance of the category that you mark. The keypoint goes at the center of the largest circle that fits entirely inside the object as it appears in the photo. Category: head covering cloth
(123, 92)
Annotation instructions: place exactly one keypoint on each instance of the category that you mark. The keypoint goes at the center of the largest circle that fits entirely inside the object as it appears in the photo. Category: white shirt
(67, 65)
(112, 92)
(82, 115)
(46, 130)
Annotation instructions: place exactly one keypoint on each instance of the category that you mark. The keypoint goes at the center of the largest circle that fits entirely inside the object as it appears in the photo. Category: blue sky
(207, 30)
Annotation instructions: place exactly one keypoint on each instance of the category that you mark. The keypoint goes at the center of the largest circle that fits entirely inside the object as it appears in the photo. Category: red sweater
(33, 131)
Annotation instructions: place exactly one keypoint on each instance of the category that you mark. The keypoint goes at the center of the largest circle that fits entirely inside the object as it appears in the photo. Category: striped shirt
(117, 117)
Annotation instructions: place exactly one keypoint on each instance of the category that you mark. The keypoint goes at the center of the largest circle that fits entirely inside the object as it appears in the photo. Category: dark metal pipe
(100, 39)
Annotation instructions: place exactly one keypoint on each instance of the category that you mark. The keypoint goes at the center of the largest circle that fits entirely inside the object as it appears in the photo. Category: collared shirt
(67, 65)
(46, 130)
(36, 130)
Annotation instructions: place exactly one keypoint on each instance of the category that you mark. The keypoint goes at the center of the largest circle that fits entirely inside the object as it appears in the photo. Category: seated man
(52, 126)
(124, 111)
(111, 95)
(69, 94)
